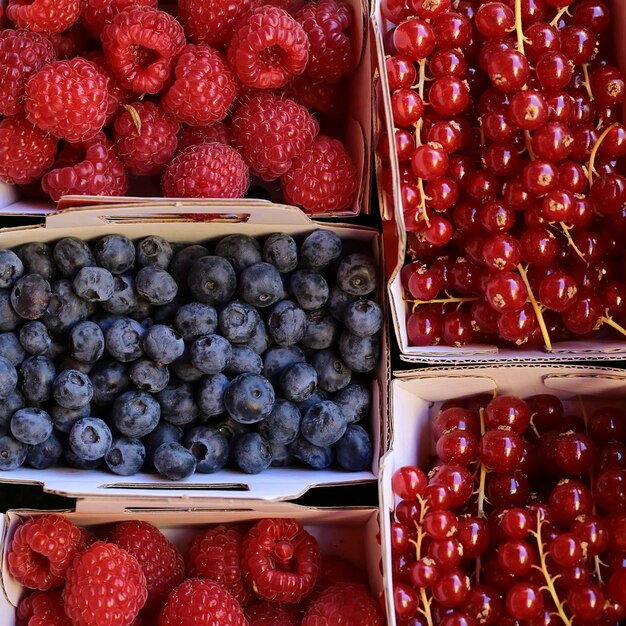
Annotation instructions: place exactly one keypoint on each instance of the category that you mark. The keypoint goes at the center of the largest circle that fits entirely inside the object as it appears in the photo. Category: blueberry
(249, 398)
(252, 453)
(11, 268)
(309, 289)
(73, 460)
(210, 353)
(35, 338)
(177, 403)
(9, 319)
(142, 312)
(45, 454)
(64, 419)
(124, 340)
(210, 394)
(124, 299)
(212, 280)
(72, 389)
(70, 254)
(126, 456)
(281, 251)
(238, 321)
(37, 375)
(184, 369)
(314, 456)
(163, 344)
(317, 396)
(281, 456)
(31, 426)
(332, 373)
(240, 251)
(86, 342)
(231, 429)
(11, 349)
(338, 301)
(163, 433)
(37, 259)
(276, 359)
(12, 452)
(354, 450)
(115, 253)
(154, 250)
(320, 249)
(260, 340)
(149, 376)
(321, 330)
(109, 380)
(155, 285)
(359, 353)
(67, 362)
(298, 382)
(136, 413)
(166, 314)
(94, 284)
(90, 438)
(323, 424)
(174, 461)
(261, 285)
(30, 296)
(195, 319)
(363, 318)
(354, 402)
(286, 323)
(242, 360)
(356, 274)
(282, 425)
(65, 308)
(182, 262)
(209, 446)
(9, 405)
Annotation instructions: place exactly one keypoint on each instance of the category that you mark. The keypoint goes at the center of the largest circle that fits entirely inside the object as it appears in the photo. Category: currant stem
(529, 146)
(562, 11)
(519, 29)
(587, 83)
(594, 151)
(425, 609)
(536, 307)
(443, 300)
(483, 470)
(420, 91)
(565, 230)
(596, 561)
(606, 319)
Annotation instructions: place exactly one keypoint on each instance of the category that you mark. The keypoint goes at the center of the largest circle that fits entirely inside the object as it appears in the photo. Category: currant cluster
(508, 148)
(522, 519)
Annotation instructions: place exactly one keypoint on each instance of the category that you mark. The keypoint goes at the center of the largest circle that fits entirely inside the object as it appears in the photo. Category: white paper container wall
(574, 350)
(172, 222)
(349, 533)
(415, 397)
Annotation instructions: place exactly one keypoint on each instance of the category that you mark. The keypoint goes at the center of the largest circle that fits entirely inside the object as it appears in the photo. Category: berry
(194, 135)
(343, 602)
(98, 13)
(118, 94)
(267, 614)
(44, 16)
(42, 608)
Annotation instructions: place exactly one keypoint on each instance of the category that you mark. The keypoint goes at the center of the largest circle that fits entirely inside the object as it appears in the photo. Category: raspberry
(145, 138)
(337, 570)
(280, 560)
(215, 555)
(266, 614)
(71, 43)
(105, 587)
(141, 45)
(323, 179)
(325, 98)
(42, 608)
(22, 53)
(291, 6)
(68, 99)
(44, 16)
(204, 88)
(87, 169)
(343, 603)
(268, 48)
(97, 13)
(26, 152)
(42, 550)
(330, 54)
(198, 602)
(194, 135)
(118, 95)
(210, 170)
(272, 130)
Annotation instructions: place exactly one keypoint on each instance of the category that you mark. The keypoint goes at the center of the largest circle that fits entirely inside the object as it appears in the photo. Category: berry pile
(97, 93)
(521, 520)
(508, 146)
(267, 574)
(174, 358)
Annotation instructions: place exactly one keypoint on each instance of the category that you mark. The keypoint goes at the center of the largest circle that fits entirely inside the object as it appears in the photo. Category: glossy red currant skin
(429, 161)
(509, 411)
(405, 600)
(592, 14)
(431, 9)
(414, 39)
(424, 328)
(608, 193)
(452, 30)
(572, 177)
(568, 500)
(517, 523)
(401, 72)
(607, 424)
(586, 601)
(502, 252)
(538, 246)
(553, 142)
(407, 107)
(451, 588)
(408, 483)
(449, 96)
(447, 62)
(447, 553)
(506, 291)
(442, 194)
(542, 39)
(558, 291)
(518, 326)
(458, 480)
(508, 70)
(457, 447)
(540, 176)
(500, 450)
(440, 231)
(424, 284)
(524, 601)
(424, 572)
(609, 490)
(502, 159)
(516, 557)
(553, 71)
(617, 587)
(566, 550)
(496, 217)
(578, 44)
(494, 20)
(584, 315)
(507, 490)
(399, 538)
(455, 418)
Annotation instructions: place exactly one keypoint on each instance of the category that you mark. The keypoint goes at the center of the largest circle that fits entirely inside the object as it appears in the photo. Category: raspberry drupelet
(42, 608)
(98, 13)
(194, 135)
(44, 16)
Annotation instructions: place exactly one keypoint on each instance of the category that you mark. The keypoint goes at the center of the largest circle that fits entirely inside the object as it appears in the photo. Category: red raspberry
(291, 6)
(212, 22)
(87, 169)
(42, 608)
(323, 179)
(337, 570)
(280, 560)
(141, 45)
(344, 603)
(194, 135)
(272, 130)
(268, 48)
(22, 53)
(216, 555)
(42, 549)
(118, 95)
(26, 152)
(210, 170)
(97, 13)
(204, 88)
(267, 614)
(71, 43)
(330, 54)
(68, 99)
(325, 98)
(105, 587)
(200, 602)
(145, 138)
(44, 16)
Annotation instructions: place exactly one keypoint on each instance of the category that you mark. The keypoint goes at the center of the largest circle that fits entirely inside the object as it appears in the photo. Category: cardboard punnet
(349, 532)
(416, 395)
(179, 222)
(396, 238)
